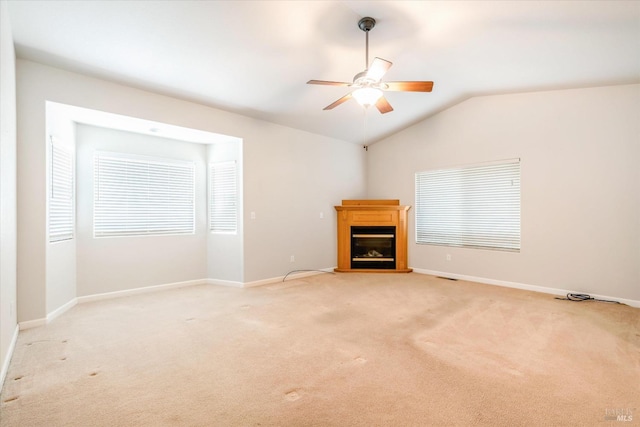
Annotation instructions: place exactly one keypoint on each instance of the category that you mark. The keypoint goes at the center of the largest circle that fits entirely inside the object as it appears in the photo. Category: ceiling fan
(368, 84)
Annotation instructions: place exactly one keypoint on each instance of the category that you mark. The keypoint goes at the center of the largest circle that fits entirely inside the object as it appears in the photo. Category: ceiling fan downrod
(366, 24)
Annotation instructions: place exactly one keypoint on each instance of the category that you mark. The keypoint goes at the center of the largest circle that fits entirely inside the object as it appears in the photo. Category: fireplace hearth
(372, 236)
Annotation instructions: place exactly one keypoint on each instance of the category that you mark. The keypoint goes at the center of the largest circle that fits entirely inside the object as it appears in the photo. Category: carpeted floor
(330, 350)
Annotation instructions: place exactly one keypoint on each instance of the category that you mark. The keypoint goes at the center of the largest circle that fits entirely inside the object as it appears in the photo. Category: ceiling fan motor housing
(362, 80)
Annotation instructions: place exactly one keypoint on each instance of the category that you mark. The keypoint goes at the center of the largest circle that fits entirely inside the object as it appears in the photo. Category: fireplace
(373, 247)
(372, 236)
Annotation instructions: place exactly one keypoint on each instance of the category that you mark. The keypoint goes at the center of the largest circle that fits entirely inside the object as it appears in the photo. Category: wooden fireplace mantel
(387, 213)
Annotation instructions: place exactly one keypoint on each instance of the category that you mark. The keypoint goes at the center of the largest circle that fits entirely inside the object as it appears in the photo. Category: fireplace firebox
(372, 236)
(373, 247)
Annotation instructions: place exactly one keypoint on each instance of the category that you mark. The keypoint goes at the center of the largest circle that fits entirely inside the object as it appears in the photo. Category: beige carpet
(330, 350)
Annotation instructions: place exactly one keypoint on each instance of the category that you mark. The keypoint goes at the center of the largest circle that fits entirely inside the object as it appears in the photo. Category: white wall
(225, 252)
(31, 200)
(289, 177)
(288, 182)
(8, 319)
(119, 263)
(580, 184)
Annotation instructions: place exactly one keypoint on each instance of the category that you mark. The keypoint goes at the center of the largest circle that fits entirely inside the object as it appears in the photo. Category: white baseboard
(60, 310)
(28, 324)
(229, 283)
(104, 296)
(552, 291)
(294, 275)
(7, 360)
(136, 291)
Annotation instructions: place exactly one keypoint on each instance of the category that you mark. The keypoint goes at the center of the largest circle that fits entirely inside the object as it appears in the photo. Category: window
(61, 209)
(475, 206)
(223, 197)
(136, 195)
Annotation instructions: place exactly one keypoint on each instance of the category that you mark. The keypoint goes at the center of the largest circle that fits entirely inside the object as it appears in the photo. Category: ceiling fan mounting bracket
(366, 24)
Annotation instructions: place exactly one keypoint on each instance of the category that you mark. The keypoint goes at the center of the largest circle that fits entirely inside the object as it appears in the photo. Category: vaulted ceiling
(255, 57)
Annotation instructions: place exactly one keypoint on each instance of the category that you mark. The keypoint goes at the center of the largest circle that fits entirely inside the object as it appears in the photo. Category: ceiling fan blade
(383, 105)
(327, 83)
(378, 68)
(338, 102)
(410, 86)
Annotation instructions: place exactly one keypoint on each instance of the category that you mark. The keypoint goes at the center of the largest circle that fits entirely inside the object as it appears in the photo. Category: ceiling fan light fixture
(367, 96)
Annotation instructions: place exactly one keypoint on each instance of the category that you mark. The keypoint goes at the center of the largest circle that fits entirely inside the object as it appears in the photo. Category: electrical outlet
(321, 215)
(448, 257)
(292, 259)
(253, 215)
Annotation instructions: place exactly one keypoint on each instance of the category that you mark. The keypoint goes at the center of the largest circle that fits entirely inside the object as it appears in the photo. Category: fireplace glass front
(373, 247)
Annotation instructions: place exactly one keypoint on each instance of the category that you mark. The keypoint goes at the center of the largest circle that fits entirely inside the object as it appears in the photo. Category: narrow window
(223, 207)
(474, 206)
(61, 200)
(139, 195)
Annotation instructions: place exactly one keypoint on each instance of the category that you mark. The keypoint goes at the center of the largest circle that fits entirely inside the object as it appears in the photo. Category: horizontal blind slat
(475, 206)
(61, 213)
(223, 197)
(135, 196)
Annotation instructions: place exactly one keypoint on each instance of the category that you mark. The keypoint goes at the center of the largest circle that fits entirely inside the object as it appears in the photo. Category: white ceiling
(255, 57)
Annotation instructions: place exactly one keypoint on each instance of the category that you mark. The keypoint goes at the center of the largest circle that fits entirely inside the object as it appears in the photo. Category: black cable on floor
(585, 297)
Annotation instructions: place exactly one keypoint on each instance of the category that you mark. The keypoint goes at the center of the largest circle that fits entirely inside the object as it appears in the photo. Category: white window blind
(475, 206)
(136, 195)
(61, 203)
(223, 210)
